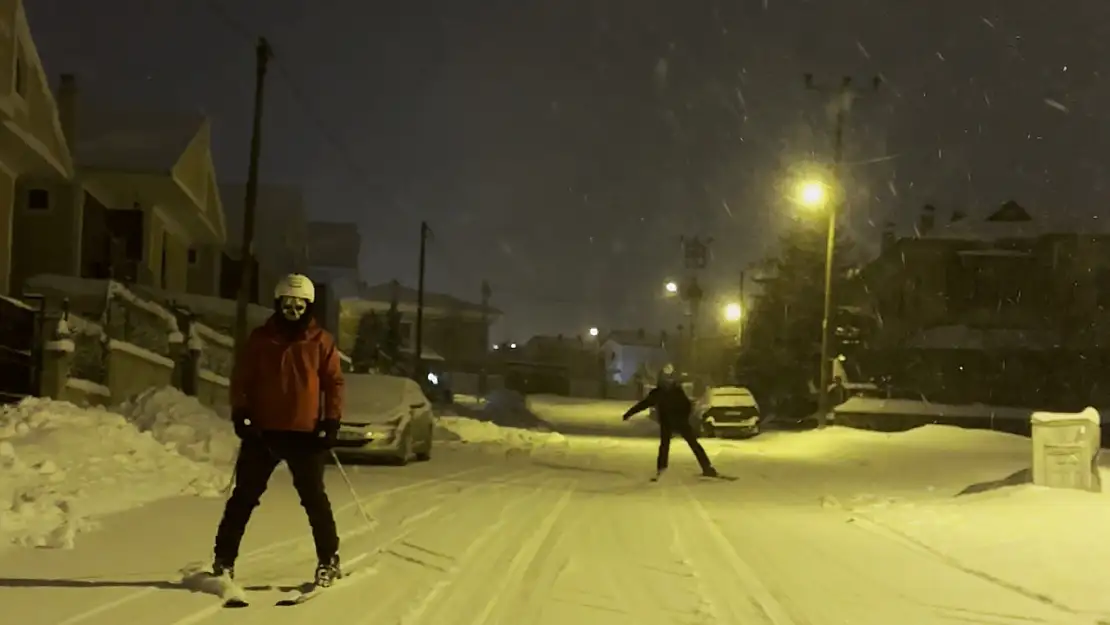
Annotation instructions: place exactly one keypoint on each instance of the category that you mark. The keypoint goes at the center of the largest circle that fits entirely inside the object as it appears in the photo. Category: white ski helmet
(295, 285)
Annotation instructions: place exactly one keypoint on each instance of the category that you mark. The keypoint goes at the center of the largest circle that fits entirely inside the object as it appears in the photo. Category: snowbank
(504, 408)
(64, 466)
(472, 431)
(1048, 542)
(183, 424)
(871, 405)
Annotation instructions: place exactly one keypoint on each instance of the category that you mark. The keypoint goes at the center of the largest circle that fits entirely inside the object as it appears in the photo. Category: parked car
(727, 411)
(385, 416)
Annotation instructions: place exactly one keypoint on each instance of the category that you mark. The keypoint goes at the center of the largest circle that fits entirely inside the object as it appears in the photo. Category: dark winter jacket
(670, 402)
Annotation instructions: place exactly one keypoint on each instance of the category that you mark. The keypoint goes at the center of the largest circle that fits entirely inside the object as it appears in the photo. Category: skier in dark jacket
(286, 403)
(673, 408)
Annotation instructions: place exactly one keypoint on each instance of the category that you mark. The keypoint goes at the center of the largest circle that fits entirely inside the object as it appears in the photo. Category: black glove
(244, 428)
(327, 431)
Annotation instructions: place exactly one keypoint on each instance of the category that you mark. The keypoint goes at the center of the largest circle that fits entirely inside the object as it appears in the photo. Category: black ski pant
(258, 457)
(667, 430)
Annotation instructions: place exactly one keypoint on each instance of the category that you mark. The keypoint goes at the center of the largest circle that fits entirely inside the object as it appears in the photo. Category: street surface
(569, 535)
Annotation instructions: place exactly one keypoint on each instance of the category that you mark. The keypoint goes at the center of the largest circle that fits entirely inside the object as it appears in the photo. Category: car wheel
(425, 453)
(708, 431)
(405, 452)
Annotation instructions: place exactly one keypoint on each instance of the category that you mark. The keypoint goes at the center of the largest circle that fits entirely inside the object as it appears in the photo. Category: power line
(342, 151)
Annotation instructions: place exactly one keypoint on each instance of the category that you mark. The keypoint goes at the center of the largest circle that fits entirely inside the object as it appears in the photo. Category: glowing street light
(812, 194)
(593, 332)
(733, 312)
(672, 287)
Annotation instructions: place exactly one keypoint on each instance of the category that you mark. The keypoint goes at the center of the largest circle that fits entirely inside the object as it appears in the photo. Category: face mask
(293, 308)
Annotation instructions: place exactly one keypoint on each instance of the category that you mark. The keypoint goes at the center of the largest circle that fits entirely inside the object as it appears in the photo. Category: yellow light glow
(733, 312)
(672, 287)
(812, 194)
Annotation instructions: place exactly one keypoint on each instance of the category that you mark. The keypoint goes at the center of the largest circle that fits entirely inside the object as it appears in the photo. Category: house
(280, 239)
(143, 207)
(36, 166)
(455, 329)
(633, 351)
(1010, 306)
(577, 357)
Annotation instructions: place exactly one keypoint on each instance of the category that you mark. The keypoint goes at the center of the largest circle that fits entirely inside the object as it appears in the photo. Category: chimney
(888, 238)
(67, 109)
(926, 220)
(957, 215)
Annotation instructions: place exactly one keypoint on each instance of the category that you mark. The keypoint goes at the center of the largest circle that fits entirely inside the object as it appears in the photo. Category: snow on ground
(65, 466)
(467, 431)
(191, 428)
(602, 417)
(824, 527)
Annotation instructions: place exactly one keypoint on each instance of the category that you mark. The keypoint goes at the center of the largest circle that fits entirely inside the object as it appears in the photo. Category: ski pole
(231, 481)
(370, 521)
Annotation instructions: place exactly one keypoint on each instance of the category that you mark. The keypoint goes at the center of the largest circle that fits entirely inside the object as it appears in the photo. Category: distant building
(1010, 307)
(280, 238)
(577, 357)
(632, 351)
(454, 329)
(333, 264)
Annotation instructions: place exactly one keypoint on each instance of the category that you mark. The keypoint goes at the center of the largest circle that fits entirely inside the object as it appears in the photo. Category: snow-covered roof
(635, 338)
(383, 293)
(1014, 221)
(129, 141)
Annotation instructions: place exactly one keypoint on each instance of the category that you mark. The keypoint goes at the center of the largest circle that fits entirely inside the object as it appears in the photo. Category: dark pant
(667, 429)
(258, 457)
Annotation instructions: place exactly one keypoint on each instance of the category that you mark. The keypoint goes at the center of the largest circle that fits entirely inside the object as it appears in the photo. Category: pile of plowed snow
(183, 424)
(469, 431)
(64, 466)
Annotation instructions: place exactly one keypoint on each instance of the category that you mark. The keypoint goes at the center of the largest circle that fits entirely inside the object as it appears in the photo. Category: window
(192, 256)
(20, 81)
(38, 199)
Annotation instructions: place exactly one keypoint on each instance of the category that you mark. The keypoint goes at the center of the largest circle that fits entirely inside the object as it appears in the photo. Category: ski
(310, 591)
(231, 594)
(727, 478)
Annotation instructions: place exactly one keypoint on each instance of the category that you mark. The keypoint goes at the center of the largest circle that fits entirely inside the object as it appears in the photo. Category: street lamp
(672, 287)
(812, 194)
(733, 312)
(593, 332)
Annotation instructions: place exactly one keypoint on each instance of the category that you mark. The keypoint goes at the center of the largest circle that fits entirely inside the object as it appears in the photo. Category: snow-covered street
(833, 527)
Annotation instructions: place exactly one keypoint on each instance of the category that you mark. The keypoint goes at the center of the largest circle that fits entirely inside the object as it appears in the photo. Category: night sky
(559, 148)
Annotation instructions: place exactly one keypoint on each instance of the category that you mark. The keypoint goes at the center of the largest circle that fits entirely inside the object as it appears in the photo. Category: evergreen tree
(365, 353)
(782, 339)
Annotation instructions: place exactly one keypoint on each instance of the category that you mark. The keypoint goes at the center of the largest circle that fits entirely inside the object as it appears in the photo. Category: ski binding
(308, 592)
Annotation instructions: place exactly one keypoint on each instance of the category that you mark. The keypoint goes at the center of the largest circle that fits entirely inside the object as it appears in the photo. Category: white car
(727, 411)
(385, 416)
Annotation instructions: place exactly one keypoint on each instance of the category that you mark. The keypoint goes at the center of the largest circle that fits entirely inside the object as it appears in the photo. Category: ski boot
(328, 572)
(710, 472)
(658, 474)
(221, 568)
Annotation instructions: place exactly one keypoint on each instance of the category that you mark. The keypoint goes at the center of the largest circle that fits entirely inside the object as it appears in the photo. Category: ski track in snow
(271, 555)
(385, 542)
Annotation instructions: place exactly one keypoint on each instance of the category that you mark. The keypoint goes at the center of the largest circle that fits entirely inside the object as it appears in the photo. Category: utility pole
(743, 311)
(263, 53)
(845, 93)
(483, 380)
(695, 252)
(418, 352)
